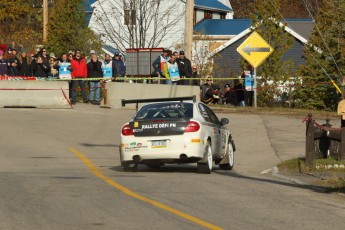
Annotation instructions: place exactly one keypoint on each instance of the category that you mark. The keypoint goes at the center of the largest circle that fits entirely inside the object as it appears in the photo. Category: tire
(128, 167)
(230, 154)
(206, 168)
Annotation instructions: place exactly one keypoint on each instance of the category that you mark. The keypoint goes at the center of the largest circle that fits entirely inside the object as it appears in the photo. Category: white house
(153, 23)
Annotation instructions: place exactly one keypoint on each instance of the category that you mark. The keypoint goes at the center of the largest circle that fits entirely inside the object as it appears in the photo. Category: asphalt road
(59, 169)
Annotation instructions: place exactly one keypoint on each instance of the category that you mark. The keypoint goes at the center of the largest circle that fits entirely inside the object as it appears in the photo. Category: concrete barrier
(36, 94)
(118, 90)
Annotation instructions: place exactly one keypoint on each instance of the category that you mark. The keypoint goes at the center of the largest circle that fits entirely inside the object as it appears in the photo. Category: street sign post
(255, 50)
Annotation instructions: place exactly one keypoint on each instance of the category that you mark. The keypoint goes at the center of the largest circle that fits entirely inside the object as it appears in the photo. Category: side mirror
(224, 121)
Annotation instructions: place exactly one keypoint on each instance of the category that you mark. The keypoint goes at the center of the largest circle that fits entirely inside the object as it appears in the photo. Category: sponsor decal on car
(134, 146)
(161, 125)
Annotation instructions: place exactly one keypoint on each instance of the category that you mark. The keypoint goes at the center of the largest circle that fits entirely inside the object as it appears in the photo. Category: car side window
(203, 113)
(212, 115)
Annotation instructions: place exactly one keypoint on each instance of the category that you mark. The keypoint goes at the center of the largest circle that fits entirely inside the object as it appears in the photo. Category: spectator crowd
(173, 67)
(177, 69)
(70, 65)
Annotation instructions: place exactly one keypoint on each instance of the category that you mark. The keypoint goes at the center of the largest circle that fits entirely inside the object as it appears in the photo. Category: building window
(222, 16)
(199, 16)
(207, 14)
(216, 16)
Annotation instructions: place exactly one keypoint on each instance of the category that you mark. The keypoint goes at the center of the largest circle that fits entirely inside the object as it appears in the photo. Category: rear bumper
(180, 148)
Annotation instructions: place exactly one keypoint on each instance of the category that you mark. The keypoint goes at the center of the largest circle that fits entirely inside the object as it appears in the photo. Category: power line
(323, 69)
(322, 37)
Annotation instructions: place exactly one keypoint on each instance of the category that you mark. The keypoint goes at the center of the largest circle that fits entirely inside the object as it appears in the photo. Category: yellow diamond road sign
(255, 49)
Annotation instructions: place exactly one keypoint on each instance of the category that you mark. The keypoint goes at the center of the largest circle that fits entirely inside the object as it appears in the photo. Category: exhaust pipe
(137, 158)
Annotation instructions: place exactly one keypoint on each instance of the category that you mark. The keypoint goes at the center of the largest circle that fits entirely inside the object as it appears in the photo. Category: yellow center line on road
(130, 193)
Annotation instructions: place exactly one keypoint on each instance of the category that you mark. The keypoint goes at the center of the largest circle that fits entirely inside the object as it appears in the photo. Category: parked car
(176, 130)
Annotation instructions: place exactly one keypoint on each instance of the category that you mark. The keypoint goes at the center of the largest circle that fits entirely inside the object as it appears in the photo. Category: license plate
(159, 144)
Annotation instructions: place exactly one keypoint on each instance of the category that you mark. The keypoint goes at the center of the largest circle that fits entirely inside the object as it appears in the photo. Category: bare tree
(139, 23)
(203, 45)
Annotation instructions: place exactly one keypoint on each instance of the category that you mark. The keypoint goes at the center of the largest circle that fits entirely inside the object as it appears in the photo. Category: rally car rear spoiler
(148, 100)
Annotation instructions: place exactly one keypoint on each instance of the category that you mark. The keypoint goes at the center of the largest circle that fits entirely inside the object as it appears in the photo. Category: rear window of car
(172, 110)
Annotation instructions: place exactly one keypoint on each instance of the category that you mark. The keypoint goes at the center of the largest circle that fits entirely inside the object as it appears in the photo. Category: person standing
(12, 63)
(195, 82)
(171, 71)
(108, 67)
(92, 52)
(64, 67)
(158, 64)
(185, 68)
(239, 90)
(3, 64)
(53, 62)
(44, 54)
(79, 72)
(94, 70)
(40, 68)
(120, 68)
(24, 65)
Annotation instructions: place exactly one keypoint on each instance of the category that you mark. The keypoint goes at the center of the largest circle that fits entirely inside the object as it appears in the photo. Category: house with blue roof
(226, 58)
(214, 9)
(88, 9)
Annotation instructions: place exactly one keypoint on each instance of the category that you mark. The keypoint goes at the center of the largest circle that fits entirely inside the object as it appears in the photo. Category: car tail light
(127, 130)
(192, 127)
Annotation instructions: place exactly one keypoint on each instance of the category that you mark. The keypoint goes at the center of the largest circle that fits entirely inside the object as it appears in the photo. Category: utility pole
(45, 20)
(188, 40)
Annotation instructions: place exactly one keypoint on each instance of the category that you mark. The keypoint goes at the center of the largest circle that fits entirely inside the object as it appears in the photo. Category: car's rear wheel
(127, 167)
(230, 155)
(206, 167)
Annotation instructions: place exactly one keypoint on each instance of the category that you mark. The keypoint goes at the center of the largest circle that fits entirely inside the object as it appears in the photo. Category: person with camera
(40, 67)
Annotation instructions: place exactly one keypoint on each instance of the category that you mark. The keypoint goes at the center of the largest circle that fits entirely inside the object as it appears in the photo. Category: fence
(323, 141)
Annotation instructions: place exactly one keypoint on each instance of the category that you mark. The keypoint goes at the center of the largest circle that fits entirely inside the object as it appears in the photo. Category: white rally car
(176, 130)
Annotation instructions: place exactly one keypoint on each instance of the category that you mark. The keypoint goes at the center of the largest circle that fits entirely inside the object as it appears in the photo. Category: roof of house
(211, 5)
(288, 29)
(88, 3)
(88, 9)
(303, 26)
(222, 26)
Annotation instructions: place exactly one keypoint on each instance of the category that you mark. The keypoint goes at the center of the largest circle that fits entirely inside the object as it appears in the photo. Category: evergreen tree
(10, 13)
(67, 28)
(274, 71)
(325, 59)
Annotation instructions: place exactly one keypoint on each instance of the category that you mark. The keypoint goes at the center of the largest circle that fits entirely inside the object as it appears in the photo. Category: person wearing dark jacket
(185, 68)
(24, 65)
(94, 70)
(195, 75)
(211, 96)
(13, 64)
(3, 64)
(40, 68)
(158, 64)
(120, 68)
(229, 96)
